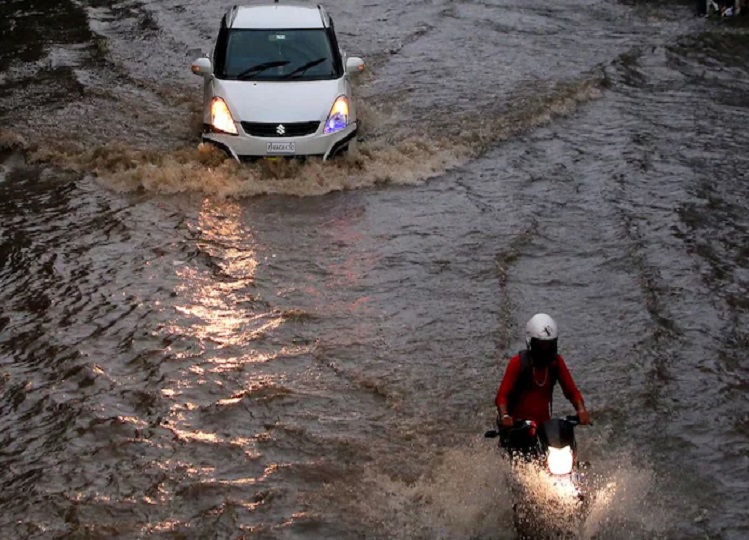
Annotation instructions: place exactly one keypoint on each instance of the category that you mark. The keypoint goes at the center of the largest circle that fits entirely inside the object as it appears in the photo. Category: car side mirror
(203, 67)
(354, 65)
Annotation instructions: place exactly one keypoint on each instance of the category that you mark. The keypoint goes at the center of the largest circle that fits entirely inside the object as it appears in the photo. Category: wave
(387, 154)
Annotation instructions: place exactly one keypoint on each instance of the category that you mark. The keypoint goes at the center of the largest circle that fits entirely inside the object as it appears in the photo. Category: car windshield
(275, 55)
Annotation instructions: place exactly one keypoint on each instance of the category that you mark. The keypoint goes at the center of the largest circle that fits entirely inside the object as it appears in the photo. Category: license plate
(281, 148)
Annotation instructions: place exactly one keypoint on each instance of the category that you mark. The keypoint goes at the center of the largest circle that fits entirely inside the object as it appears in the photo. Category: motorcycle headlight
(338, 117)
(221, 119)
(560, 460)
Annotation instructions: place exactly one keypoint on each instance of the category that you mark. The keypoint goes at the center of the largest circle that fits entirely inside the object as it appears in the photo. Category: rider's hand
(507, 421)
(584, 417)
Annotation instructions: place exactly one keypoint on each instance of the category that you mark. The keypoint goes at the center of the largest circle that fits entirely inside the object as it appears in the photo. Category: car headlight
(560, 460)
(338, 117)
(221, 119)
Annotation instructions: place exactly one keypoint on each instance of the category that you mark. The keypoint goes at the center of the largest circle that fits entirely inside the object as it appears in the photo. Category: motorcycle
(547, 481)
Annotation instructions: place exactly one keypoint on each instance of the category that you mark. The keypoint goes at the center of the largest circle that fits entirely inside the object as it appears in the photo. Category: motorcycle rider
(525, 392)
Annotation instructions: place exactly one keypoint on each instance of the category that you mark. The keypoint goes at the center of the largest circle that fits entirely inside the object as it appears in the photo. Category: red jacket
(535, 402)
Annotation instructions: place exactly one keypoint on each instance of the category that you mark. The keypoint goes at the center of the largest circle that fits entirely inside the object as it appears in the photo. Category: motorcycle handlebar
(520, 425)
(525, 424)
(575, 420)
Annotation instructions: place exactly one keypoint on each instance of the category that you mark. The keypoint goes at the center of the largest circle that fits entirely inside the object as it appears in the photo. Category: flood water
(190, 348)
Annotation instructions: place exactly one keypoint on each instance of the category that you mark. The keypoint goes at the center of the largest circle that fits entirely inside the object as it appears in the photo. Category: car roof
(278, 15)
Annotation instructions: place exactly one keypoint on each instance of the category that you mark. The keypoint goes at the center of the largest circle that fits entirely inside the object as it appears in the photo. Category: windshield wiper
(257, 68)
(305, 67)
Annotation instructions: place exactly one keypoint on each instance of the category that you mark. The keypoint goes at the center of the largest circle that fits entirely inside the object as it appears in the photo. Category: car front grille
(280, 129)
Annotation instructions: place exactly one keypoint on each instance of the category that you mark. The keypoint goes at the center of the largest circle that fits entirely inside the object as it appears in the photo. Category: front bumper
(243, 146)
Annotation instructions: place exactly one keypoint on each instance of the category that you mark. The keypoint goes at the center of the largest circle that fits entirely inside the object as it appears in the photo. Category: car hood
(292, 101)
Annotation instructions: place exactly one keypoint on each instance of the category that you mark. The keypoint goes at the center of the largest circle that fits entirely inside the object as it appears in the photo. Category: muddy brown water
(190, 348)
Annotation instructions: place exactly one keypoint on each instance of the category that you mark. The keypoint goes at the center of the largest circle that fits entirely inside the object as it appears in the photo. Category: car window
(272, 55)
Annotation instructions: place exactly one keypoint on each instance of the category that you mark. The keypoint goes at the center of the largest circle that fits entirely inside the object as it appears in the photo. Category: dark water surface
(194, 349)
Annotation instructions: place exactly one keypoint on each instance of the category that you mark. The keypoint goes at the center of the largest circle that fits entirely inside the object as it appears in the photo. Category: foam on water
(463, 494)
(387, 154)
(621, 501)
(624, 501)
(467, 492)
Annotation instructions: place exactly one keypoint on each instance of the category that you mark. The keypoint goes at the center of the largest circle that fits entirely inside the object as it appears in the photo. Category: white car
(278, 84)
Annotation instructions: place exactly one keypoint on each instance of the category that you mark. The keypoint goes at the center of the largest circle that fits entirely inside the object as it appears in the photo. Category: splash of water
(624, 501)
(464, 495)
(469, 492)
(388, 153)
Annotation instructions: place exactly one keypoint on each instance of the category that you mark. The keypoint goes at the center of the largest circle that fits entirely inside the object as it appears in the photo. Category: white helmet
(541, 337)
(541, 327)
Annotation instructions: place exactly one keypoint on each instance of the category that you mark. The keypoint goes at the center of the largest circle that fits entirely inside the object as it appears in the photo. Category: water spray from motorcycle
(546, 481)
